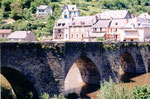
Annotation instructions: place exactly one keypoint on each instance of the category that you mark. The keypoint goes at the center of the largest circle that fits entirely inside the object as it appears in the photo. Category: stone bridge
(43, 66)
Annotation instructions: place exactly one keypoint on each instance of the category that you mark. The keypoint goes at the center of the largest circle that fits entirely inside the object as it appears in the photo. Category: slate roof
(115, 14)
(72, 7)
(83, 20)
(67, 22)
(18, 34)
(142, 22)
(6, 31)
(119, 23)
(102, 24)
(145, 15)
(42, 7)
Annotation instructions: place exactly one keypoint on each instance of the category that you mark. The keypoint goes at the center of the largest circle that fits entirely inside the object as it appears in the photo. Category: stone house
(138, 29)
(61, 30)
(81, 28)
(4, 33)
(43, 11)
(22, 36)
(99, 29)
(70, 11)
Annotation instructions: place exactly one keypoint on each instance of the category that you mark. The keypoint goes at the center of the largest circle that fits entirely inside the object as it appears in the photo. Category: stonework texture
(46, 65)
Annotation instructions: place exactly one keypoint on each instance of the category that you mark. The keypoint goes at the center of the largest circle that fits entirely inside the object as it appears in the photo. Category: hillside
(21, 11)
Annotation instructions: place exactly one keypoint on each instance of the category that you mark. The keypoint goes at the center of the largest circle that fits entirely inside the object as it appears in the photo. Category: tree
(16, 10)
(27, 14)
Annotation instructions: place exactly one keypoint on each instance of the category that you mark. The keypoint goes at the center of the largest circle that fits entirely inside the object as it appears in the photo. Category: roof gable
(115, 14)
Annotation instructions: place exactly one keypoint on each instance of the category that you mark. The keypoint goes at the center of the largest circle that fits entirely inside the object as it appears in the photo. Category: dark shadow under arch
(20, 84)
(88, 74)
(127, 63)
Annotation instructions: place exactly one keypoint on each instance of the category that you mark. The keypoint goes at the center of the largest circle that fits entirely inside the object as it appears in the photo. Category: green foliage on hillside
(21, 10)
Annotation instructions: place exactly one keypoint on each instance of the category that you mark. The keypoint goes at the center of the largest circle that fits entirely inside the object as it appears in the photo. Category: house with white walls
(138, 29)
(70, 11)
(61, 30)
(43, 11)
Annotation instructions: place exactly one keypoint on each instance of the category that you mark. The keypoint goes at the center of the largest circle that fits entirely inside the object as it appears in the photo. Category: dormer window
(59, 24)
(73, 23)
(63, 24)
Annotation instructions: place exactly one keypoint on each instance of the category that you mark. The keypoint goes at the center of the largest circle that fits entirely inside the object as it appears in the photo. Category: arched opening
(82, 78)
(127, 67)
(22, 87)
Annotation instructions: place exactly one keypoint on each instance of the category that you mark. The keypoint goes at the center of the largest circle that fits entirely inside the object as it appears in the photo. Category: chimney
(127, 20)
(26, 32)
(137, 22)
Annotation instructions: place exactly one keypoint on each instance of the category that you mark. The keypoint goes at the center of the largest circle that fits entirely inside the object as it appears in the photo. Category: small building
(4, 33)
(22, 36)
(138, 29)
(70, 11)
(61, 30)
(43, 11)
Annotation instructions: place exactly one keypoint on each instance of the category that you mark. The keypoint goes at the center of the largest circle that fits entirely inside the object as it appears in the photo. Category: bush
(44, 95)
(100, 39)
(3, 39)
(111, 91)
(6, 93)
(141, 92)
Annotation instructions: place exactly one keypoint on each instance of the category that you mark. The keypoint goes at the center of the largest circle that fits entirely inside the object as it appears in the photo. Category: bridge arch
(127, 63)
(21, 86)
(82, 71)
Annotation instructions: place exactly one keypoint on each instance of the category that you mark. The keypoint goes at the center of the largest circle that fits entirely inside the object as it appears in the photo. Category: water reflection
(89, 91)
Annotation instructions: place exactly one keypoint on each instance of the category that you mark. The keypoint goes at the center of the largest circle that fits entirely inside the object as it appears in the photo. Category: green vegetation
(109, 90)
(141, 92)
(100, 39)
(22, 11)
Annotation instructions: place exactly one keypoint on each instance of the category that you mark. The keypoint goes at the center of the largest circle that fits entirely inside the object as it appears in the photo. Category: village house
(81, 27)
(138, 29)
(61, 30)
(22, 36)
(110, 24)
(70, 11)
(43, 11)
(4, 33)
(99, 29)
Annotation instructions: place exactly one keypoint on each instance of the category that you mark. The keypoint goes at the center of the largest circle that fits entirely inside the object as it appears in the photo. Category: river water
(90, 90)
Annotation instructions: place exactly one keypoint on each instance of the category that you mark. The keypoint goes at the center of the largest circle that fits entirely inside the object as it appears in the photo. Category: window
(101, 29)
(131, 39)
(116, 23)
(41, 10)
(63, 24)
(3, 35)
(59, 30)
(72, 35)
(115, 30)
(66, 35)
(82, 36)
(59, 24)
(77, 35)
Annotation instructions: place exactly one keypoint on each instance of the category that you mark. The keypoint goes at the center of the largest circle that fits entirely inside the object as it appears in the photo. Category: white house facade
(43, 11)
(70, 11)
